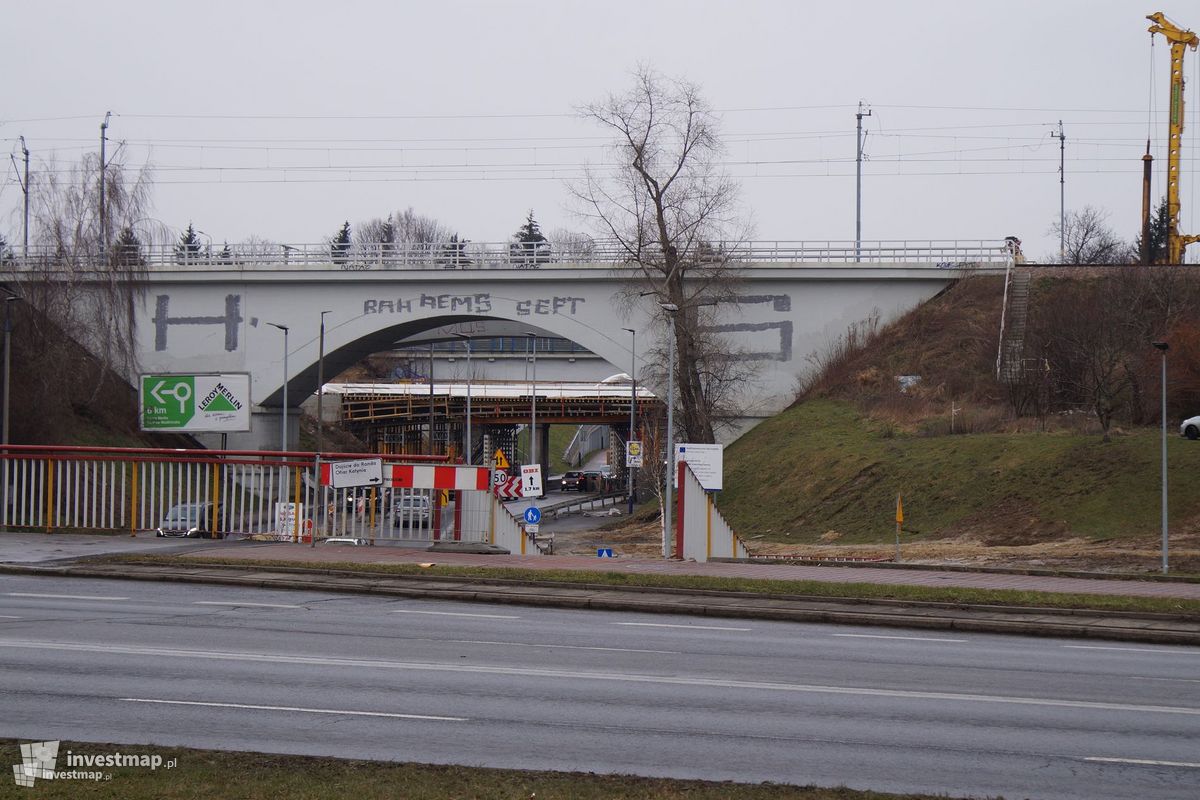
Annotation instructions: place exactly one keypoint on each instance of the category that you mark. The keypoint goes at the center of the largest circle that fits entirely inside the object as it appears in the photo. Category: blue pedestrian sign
(604, 552)
(533, 515)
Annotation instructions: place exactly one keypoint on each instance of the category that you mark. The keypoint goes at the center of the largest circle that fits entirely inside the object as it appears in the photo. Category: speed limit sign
(499, 477)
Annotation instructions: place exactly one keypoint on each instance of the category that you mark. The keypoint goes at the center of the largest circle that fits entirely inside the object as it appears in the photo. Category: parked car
(1190, 428)
(572, 481)
(187, 520)
(411, 509)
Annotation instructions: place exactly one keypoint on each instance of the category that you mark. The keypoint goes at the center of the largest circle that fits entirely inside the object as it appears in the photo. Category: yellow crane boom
(1179, 39)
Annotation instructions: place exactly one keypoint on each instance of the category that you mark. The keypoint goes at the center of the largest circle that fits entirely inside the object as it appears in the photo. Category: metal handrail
(509, 255)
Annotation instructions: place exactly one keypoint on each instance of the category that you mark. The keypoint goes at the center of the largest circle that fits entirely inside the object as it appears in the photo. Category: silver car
(1190, 428)
(187, 519)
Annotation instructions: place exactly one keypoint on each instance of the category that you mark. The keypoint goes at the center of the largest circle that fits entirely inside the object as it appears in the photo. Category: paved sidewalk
(890, 575)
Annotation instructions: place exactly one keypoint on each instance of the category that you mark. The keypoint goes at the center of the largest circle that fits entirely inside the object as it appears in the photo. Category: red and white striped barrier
(416, 476)
(510, 489)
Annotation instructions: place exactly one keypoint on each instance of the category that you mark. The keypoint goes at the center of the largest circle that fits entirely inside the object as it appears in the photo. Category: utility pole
(1062, 192)
(858, 159)
(103, 210)
(25, 189)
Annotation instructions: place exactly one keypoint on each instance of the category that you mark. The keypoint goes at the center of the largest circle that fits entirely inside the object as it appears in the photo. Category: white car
(1190, 428)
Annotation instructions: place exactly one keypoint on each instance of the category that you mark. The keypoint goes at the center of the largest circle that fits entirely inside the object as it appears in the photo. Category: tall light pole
(429, 447)
(468, 450)
(1062, 191)
(283, 437)
(858, 159)
(321, 385)
(671, 310)
(8, 301)
(1162, 348)
(632, 410)
(25, 190)
(103, 209)
(533, 401)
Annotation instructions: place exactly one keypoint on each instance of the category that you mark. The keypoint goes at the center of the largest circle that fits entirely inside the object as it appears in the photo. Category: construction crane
(1179, 39)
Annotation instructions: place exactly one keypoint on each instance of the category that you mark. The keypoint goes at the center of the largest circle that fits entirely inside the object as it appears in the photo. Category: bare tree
(673, 215)
(572, 246)
(1090, 240)
(79, 294)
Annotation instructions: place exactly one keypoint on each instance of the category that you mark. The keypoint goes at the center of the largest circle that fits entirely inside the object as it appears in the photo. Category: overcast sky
(284, 119)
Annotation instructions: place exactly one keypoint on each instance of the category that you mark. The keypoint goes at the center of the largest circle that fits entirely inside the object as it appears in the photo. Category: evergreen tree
(1160, 226)
(6, 253)
(225, 257)
(454, 254)
(529, 246)
(188, 250)
(127, 249)
(339, 247)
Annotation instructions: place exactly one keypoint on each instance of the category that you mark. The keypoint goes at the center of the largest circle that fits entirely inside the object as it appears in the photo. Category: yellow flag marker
(899, 522)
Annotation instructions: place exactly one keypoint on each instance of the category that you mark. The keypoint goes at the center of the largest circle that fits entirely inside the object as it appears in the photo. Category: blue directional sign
(604, 552)
(533, 515)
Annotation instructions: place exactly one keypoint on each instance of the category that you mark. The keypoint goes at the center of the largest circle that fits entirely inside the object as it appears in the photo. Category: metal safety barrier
(359, 256)
(230, 494)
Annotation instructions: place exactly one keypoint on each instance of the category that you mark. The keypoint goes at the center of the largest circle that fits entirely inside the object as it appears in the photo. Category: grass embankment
(822, 469)
(249, 776)
(814, 589)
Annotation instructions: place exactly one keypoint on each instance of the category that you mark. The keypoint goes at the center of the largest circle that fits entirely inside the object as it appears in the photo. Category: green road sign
(195, 403)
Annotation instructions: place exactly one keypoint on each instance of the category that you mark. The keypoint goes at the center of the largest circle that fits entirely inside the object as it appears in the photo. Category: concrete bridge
(210, 313)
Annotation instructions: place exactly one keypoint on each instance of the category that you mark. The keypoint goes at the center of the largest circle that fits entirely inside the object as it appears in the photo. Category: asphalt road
(306, 672)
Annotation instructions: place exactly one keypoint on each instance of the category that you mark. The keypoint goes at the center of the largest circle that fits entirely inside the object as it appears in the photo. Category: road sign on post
(533, 515)
(195, 403)
(359, 472)
(633, 454)
(531, 480)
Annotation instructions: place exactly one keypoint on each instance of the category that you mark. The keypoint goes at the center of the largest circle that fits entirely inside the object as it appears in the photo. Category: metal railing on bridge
(510, 255)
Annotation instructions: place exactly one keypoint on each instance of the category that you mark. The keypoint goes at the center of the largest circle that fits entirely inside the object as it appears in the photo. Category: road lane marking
(1162, 652)
(238, 605)
(1175, 680)
(63, 596)
(686, 627)
(905, 638)
(1145, 761)
(559, 646)
(8, 616)
(578, 675)
(339, 712)
(454, 614)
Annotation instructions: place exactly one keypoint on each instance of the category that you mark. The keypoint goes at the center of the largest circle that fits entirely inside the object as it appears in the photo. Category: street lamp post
(469, 444)
(8, 301)
(283, 442)
(632, 411)
(533, 401)
(671, 310)
(321, 386)
(1162, 348)
(283, 414)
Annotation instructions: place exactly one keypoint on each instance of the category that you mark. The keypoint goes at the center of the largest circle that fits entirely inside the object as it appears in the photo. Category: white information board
(707, 462)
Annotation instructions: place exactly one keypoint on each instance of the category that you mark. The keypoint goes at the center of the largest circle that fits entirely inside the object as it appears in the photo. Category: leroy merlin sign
(195, 403)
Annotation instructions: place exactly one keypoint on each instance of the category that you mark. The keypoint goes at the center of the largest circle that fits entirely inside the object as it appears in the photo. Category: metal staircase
(1012, 346)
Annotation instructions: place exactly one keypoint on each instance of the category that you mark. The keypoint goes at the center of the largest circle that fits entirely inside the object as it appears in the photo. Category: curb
(1067, 623)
